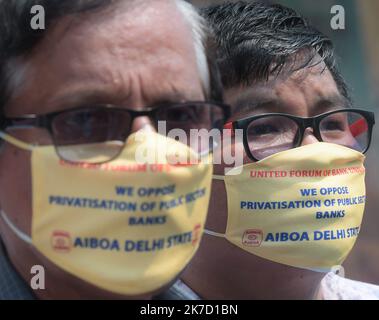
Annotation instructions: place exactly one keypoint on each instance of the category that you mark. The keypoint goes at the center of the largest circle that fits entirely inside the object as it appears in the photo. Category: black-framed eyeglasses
(98, 133)
(270, 133)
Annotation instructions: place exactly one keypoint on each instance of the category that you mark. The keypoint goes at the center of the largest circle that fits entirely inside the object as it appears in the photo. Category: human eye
(334, 123)
(263, 127)
(181, 114)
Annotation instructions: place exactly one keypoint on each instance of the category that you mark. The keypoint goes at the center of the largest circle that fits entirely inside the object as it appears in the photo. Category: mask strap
(18, 233)
(215, 234)
(217, 177)
(16, 142)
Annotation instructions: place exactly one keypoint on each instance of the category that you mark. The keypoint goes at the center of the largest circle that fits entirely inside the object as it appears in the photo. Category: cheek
(218, 210)
(15, 186)
(230, 152)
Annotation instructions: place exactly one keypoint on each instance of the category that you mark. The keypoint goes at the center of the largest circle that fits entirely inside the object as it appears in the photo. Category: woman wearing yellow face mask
(278, 229)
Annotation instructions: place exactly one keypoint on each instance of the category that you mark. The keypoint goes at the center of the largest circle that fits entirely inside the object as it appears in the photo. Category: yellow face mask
(125, 227)
(301, 207)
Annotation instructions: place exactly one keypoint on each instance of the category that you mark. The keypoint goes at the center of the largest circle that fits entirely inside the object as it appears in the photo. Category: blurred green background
(357, 47)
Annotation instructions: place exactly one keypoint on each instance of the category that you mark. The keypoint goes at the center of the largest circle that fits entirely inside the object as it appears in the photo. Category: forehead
(299, 92)
(121, 48)
(131, 33)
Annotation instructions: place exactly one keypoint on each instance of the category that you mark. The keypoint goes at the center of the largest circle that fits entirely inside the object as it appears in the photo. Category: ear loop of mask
(209, 232)
(16, 142)
(16, 231)
(25, 146)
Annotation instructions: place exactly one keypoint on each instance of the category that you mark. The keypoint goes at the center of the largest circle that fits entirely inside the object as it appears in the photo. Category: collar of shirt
(178, 291)
(332, 287)
(12, 286)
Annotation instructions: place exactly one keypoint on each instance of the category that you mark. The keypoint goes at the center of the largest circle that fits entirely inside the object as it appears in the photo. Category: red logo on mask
(252, 237)
(61, 241)
(196, 234)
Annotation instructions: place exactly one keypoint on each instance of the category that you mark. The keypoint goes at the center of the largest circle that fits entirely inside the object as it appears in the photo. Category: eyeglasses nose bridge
(149, 116)
(309, 123)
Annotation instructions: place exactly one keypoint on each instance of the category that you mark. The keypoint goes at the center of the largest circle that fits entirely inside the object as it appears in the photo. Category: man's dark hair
(17, 38)
(256, 40)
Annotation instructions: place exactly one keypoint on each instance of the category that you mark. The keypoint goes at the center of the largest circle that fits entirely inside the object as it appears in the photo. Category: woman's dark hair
(256, 40)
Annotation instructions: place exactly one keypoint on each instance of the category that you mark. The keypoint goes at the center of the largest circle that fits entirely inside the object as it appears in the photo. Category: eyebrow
(95, 96)
(248, 103)
(332, 101)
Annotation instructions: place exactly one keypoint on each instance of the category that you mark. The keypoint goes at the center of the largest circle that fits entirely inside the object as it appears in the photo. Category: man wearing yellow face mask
(75, 199)
(282, 226)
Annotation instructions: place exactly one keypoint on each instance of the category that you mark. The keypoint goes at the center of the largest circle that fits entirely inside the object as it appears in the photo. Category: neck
(231, 273)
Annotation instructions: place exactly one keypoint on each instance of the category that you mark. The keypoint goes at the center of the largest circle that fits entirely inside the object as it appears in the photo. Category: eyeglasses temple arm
(229, 126)
(24, 122)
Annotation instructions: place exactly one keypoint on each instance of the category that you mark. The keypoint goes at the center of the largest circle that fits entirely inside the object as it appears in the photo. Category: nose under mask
(123, 226)
(301, 207)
